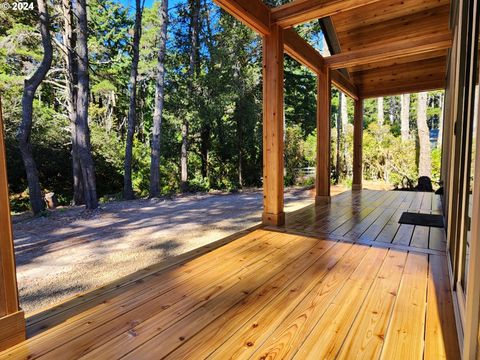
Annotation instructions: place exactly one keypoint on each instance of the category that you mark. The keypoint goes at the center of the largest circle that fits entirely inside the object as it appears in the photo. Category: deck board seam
(146, 301)
(240, 300)
(325, 236)
(358, 311)
(337, 291)
(169, 264)
(272, 300)
(393, 305)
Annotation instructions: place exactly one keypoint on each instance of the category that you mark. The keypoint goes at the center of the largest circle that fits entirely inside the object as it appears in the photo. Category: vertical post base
(322, 200)
(12, 330)
(273, 219)
(357, 187)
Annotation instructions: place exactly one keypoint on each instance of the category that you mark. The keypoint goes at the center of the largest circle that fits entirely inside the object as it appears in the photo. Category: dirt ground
(70, 252)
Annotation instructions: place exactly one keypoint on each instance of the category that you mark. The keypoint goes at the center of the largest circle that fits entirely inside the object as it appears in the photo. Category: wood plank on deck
(368, 331)
(274, 295)
(405, 336)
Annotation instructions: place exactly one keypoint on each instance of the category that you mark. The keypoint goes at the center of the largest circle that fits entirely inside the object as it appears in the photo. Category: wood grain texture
(273, 127)
(260, 326)
(322, 178)
(329, 333)
(275, 295)
(393, 50)
(440, 343)
(319, 333)
(405, 336)
(143, 295)
(241, 313)
(369, 329)
(12, 329)
(395, 37)
(191, 313)
(254, 14)
(79, 305)
(343, 84)
(301, 11)
(12, 321)
(300, 50)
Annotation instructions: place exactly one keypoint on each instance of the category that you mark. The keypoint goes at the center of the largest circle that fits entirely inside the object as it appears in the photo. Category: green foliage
(386, 157)
(294, 153)
(310, 149)
(436, 164)
(222, 103)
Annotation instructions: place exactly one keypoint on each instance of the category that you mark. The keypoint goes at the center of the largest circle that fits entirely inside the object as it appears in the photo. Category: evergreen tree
(25, 128)
(425, 160)
(159, 101)
(132, 109)
(405, 117)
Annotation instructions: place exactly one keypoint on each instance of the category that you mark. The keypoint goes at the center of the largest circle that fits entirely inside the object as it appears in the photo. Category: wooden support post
(322, 181)
(273, 127)
(12, 319)
(357, 145)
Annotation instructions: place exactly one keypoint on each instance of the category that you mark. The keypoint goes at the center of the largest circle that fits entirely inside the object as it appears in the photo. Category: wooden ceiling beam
(386, 52)
(301, 11)
(343, 84)
(303, 52)
(406, 78)
(402, 88)
(399, 61)
(254, 14)
(414, 71)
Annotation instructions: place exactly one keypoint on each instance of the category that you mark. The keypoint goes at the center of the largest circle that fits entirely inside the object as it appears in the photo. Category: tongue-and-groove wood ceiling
(388, 46)
(417, 30)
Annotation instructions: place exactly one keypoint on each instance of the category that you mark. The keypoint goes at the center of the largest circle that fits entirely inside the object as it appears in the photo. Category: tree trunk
(204, 148)
(404, 117)
(380, 116)
(159, 100)
(68, 52)
(440, 121)
(391, 110)
(184, 158)
(193, 57)
(240, 149)
(425, 162)
(25, 128)
(82, 132)
(132, 110)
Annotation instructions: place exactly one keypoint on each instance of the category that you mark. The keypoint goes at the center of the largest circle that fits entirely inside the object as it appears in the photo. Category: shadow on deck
(361, 286)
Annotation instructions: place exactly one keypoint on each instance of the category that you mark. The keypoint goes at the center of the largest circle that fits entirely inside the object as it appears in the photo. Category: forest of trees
(103, 101)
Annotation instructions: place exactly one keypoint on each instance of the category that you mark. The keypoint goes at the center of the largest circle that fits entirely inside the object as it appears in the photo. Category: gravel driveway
(70, 252)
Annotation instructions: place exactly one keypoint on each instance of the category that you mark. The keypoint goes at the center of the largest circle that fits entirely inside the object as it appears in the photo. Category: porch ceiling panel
(394, 47)
(386, 10)
(423, 75)
(414, 26)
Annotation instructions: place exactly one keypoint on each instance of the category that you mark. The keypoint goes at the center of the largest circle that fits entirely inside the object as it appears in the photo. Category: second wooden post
(322, 180)
(357, 145)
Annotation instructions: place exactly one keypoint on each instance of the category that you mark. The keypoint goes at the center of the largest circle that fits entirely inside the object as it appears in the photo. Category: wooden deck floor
(367, 216)
(266, 295)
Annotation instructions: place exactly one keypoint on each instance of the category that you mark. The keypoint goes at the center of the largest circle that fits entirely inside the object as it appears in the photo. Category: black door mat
(421, 219)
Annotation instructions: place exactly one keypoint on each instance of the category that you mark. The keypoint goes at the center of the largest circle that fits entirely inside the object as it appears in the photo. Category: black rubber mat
(421, 219)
